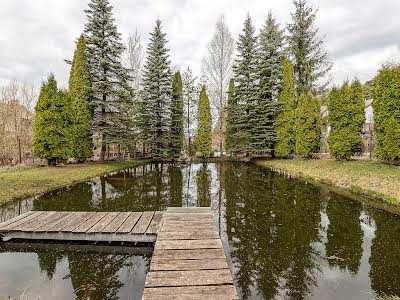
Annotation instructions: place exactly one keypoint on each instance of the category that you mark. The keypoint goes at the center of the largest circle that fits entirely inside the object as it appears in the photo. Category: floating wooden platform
(84, 226)
(188, 261)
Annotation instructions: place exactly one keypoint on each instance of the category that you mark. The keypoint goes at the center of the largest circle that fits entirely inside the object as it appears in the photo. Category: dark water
(284, 238)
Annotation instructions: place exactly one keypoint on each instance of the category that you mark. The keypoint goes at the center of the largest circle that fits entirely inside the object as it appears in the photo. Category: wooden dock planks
(188, 261)
(84, 226)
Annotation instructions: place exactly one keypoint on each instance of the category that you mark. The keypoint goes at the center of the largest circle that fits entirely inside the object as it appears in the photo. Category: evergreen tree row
(63, 118)
(271, 107)
(346, 118)
(386, 104)
(270, 95)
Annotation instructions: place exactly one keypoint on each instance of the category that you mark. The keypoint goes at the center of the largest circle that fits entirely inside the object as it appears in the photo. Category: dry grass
(384, 297)
(21, 182)
(374, 179)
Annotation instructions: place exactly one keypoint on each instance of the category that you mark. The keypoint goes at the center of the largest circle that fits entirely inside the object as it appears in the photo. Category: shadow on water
(284, 238)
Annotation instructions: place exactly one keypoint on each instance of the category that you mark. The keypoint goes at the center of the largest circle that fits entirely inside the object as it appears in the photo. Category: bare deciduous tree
(190, 96)
(16, 118)
(132, 59)
(217, 68)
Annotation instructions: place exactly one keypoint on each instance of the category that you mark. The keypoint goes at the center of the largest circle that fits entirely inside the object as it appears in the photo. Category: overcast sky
(36, 36)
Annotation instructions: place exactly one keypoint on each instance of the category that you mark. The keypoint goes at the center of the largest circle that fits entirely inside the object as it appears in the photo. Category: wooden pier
(188, 261)
(84, 226)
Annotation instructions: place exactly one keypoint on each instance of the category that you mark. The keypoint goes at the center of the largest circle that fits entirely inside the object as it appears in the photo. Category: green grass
(22, 182)
(388, 298)
(369, 178)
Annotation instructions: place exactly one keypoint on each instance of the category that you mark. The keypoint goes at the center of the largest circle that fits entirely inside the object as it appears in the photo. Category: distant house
(16, 123)
(368, 135)
(325, 130)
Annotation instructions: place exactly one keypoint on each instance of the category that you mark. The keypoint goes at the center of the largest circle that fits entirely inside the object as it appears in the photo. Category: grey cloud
(36, 36)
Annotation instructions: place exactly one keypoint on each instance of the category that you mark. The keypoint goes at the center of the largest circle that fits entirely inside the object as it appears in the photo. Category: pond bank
(22, 182)
(372, 179)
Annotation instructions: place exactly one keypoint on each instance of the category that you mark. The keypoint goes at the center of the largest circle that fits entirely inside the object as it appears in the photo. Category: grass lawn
(21, 182)
(370, 178)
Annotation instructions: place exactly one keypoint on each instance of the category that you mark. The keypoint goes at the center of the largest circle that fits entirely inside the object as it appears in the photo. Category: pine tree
(285, 119)
(157, 94)
(177, 116)
(81, 110)
(203, 138)
(308, 125)
(386, 106)
(230, 119)
(51, 128)
(306, 49)
(110, 92)
(346, 118)
(245, 76)
(262, 120)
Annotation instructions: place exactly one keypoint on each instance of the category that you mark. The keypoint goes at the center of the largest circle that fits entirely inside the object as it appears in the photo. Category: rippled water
(284, 238)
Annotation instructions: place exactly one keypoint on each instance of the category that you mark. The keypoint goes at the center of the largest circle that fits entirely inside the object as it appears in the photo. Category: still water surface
(284, 238)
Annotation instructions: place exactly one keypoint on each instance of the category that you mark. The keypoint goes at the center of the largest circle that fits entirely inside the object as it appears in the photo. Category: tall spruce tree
(177, 116)
(346, 118)
(204, 123)
(81, 109)
(386, 106)
(246, 77)
(306, 49)
(157, 94)
(110, 89)
(230, 119)
(51, 129)
(262, 116)
(285, 119)
(308, 125)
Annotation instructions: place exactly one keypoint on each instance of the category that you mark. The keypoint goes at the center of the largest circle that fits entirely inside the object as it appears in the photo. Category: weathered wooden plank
(188, 278)
(116, 223)
(218, 292)
(188, 214)
(129, 223)
(77, 219)
(56, 219)
(194, 223)
(20, 222)
(187, 264)
(36, 222)
(143, 223)
(189, 254)
(101, 224)
(155, 224)
(187, 217)
(186, 228)
(85, 226)
(184, 235)
(188, 210)
(189, 244)
(13, 220)
(79, 236)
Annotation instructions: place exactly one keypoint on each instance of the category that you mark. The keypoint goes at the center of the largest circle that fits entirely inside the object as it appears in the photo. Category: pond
(284, 238)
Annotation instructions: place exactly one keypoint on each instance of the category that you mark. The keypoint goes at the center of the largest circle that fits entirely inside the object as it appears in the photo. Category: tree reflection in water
(90, 273)
(284, 238)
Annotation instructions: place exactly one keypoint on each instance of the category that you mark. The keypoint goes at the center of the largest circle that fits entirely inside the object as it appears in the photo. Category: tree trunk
(221, 112)
(102, 151)
(19, 150)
